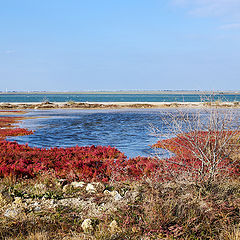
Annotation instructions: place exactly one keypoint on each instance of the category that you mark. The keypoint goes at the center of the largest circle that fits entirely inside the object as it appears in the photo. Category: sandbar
(114, 105)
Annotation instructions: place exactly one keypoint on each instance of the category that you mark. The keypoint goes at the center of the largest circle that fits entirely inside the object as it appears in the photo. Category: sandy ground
(114, 105)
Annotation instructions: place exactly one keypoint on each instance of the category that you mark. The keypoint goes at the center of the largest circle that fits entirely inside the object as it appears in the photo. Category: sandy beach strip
(113, 105)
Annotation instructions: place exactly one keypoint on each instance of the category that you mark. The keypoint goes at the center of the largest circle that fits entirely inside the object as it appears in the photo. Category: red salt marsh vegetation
(96, 192)
(6, 128)
(91, 163)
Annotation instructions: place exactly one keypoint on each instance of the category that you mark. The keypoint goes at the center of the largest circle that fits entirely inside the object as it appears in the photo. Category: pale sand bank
(115, 105)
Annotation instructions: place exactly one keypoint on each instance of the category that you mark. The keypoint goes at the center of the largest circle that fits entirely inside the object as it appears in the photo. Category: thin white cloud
(9, 52)
(226, 10)
(230, 26)
(230, 8)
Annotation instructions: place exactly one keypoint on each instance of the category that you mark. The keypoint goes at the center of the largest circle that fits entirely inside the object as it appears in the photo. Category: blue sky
(77, 45)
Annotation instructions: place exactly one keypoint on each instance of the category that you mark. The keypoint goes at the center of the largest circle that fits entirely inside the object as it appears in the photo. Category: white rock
(91, 188)
(36, 207)
(87, 225)
(78, 184)
(12, 212)
(114, 194)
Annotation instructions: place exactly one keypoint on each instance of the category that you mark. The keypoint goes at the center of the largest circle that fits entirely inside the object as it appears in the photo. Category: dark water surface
(127, 130)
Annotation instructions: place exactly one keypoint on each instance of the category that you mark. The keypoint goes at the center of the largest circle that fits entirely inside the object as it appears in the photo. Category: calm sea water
(127, 130)
(115, 97)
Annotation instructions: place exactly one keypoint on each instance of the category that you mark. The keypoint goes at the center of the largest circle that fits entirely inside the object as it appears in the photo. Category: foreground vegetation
(119, 210)
(98, 193)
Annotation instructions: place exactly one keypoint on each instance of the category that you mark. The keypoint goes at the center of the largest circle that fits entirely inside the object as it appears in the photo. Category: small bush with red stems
(203, 147)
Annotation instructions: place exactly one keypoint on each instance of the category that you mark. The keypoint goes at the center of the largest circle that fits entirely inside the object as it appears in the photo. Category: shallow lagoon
(127, 130)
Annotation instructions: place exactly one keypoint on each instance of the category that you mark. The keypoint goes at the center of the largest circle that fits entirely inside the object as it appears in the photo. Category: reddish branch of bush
(203, 153)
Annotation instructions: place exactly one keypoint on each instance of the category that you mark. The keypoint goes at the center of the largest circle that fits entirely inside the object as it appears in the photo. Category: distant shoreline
(131, 92)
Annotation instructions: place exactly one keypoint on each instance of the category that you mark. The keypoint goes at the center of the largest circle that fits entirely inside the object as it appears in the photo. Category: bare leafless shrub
(203, 144)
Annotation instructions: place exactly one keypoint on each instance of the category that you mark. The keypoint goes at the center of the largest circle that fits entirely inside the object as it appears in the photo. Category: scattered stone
(79, 185)
(12, 212)
(91, 188)
(115, 194)
(36, 207)
(87, 226)
(95, 187)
